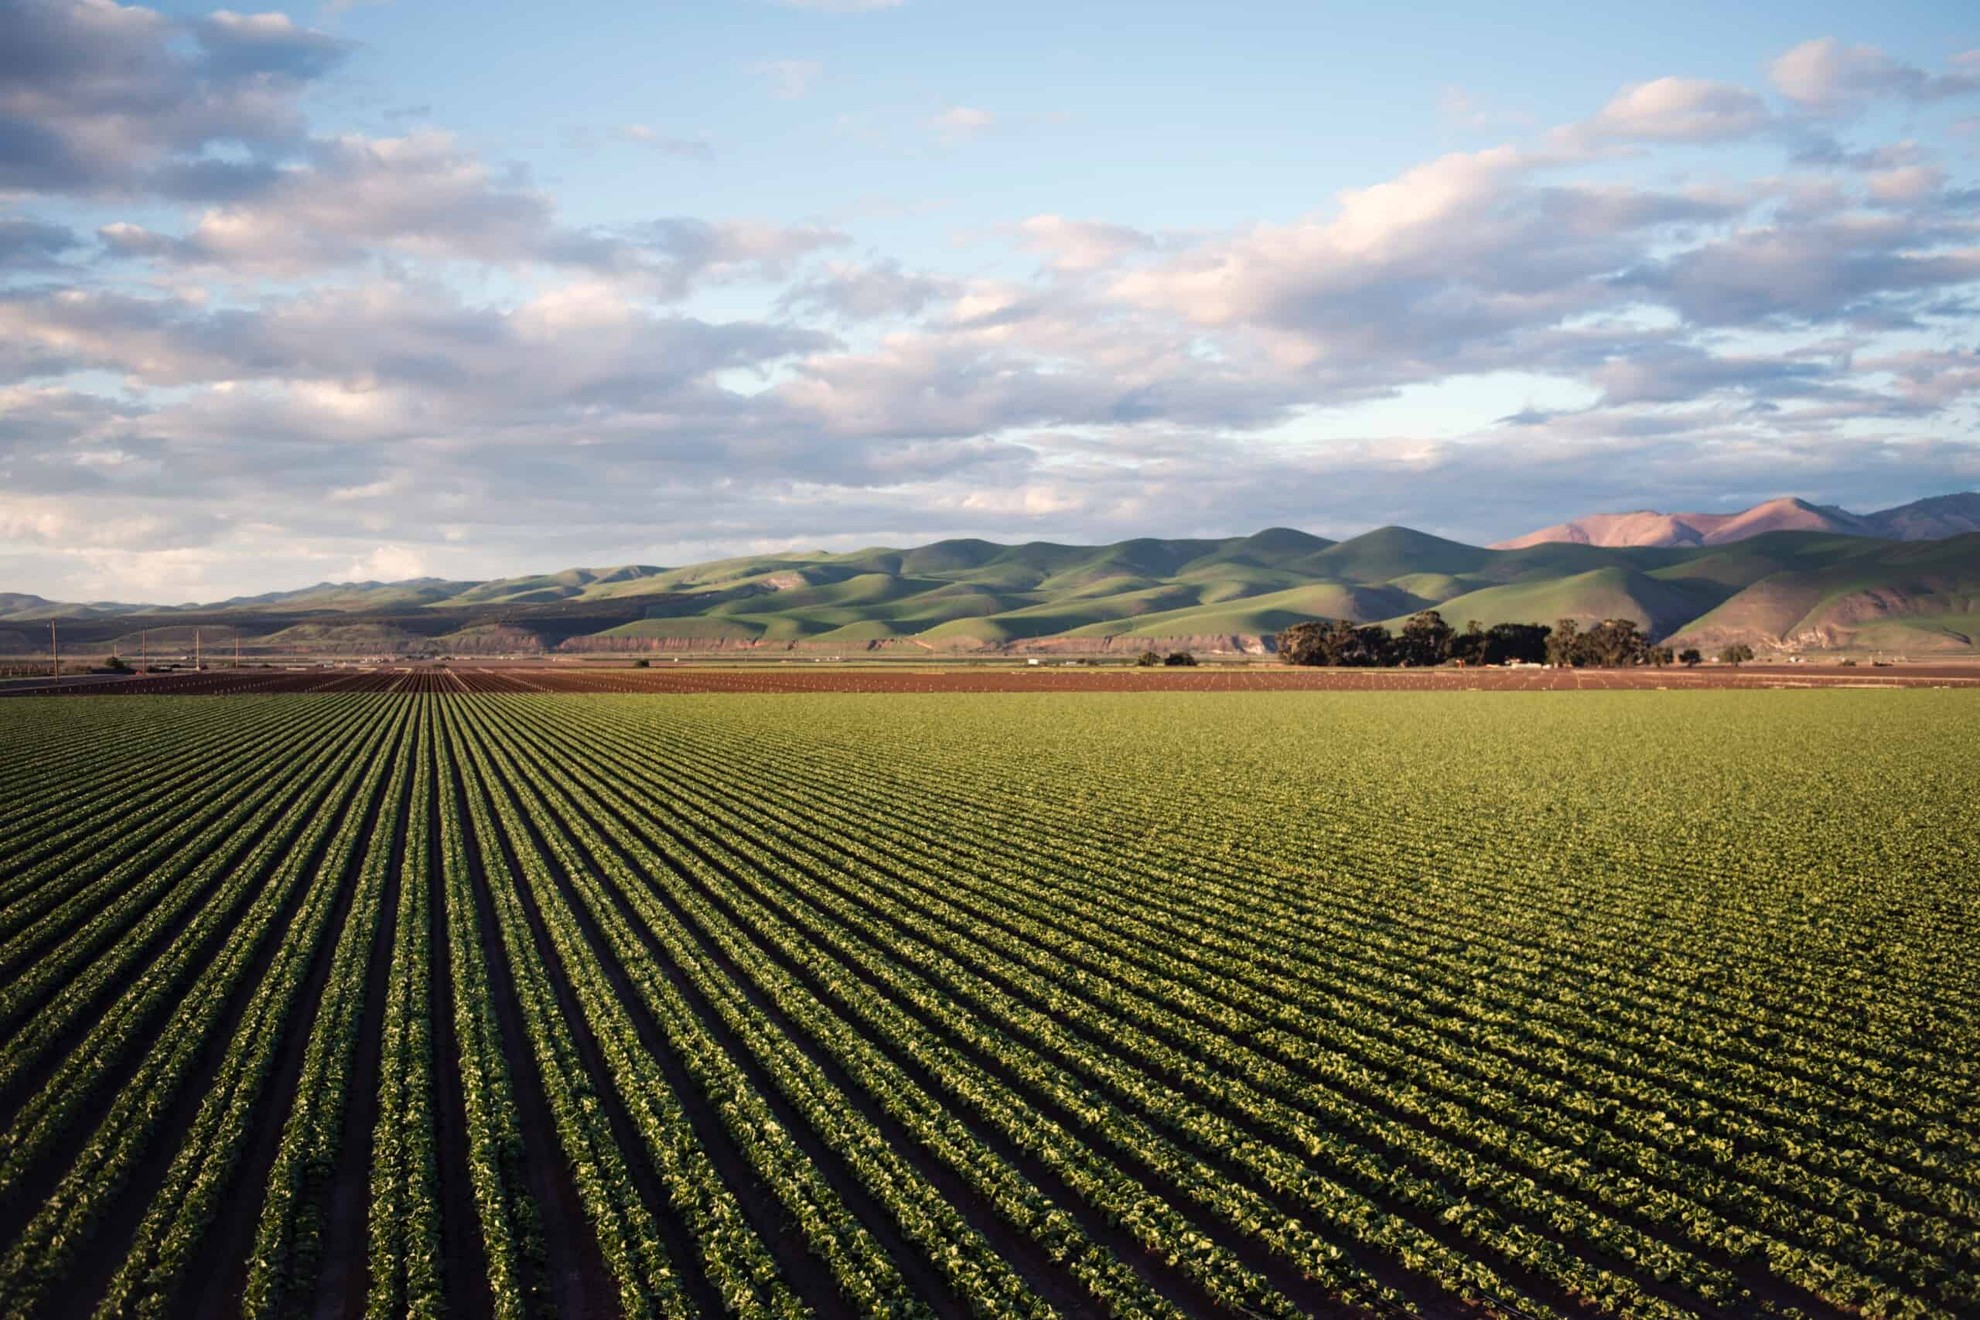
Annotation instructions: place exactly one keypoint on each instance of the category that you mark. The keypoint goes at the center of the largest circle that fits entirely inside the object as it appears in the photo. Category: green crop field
(1630, 1003)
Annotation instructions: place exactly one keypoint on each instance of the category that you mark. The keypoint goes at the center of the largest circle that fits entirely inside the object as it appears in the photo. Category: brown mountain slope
(1646, 527)
(1919, 597)
(1930, 520)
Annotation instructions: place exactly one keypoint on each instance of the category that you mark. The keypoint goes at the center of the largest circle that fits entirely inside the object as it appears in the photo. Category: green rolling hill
(1801, 589)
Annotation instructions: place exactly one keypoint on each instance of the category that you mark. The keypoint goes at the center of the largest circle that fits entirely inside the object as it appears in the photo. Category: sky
(368, 290)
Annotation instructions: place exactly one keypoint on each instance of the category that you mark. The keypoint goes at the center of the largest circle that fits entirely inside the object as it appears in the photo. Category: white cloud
(388, 563)
(392, 354)
(856, 292)
(113, 99)
(1681, 110)
(1082, 245)
(1907, 183)
(1824, 74)
(421, 194)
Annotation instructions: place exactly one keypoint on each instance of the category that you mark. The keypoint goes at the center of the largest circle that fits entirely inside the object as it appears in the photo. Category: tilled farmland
(808, 676)
(444, 1000)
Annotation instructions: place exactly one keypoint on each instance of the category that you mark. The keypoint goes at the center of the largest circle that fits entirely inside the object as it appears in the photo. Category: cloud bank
(238, 353)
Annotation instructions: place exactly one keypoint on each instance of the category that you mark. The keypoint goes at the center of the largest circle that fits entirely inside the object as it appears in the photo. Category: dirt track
(686, 678)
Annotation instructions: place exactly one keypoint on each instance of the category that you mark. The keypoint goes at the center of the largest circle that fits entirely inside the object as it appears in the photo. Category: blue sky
(378, 290)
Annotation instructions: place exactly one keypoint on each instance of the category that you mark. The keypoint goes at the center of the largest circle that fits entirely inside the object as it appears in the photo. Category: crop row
(439, 1000)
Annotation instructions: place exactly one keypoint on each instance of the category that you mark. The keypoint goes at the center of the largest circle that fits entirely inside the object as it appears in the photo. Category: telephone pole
(195, 650)
(54, 649)
(237, 650)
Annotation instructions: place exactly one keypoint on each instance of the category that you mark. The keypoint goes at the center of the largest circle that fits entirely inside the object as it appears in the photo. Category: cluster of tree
(1502, 642)
(1610, 644)
(1425, 639)
(1174, 659)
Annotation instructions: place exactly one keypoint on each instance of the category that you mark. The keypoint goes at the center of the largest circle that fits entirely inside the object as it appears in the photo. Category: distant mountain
(1931, 519)
(19, 606)
(1924, 520)
(1803, 588)
(1919, 597)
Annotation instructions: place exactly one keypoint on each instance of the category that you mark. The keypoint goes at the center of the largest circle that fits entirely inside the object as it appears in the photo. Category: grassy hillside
(1658, 604)
(1805, 589)
(1903, 596)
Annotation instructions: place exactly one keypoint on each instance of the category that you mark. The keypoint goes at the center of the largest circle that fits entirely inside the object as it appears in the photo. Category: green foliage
(945, 998)
(1179, 660)
(1738, 653)
(1339, 642)
(1502, 643)
(1425, 640)
(1607, 645)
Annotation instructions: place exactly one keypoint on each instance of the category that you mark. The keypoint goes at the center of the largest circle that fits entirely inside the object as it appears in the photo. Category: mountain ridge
(1791, 588)
(1928, 519)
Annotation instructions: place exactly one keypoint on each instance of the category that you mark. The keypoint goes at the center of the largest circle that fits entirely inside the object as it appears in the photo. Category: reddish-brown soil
(801, 677)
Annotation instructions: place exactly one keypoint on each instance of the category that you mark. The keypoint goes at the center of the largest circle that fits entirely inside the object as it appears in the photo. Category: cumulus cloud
(855, 292)
(28, 244)
(423, 196)
(420, 194)
(100, 98)
(1906, 184)
(729, 249)
(1825, 74)
(1848, 266)
(1928, 380)
(1680, 373)
(1680, 110)
(239, 46)
(388, 563)
(1080, 245)
(1473, 262)
(324, 349)
(573, 344)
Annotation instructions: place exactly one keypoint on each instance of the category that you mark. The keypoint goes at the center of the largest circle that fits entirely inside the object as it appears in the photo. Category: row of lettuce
(798, 1022)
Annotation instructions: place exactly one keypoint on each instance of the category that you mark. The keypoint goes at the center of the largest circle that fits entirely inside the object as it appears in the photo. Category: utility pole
(144, 636)
(195, 650)
(237, 650)
(54, 649)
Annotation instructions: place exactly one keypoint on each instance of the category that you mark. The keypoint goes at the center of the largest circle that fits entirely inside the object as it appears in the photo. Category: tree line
(1426, 639)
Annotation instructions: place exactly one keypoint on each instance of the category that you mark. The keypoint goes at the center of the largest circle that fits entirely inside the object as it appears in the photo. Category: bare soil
(819, 677)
